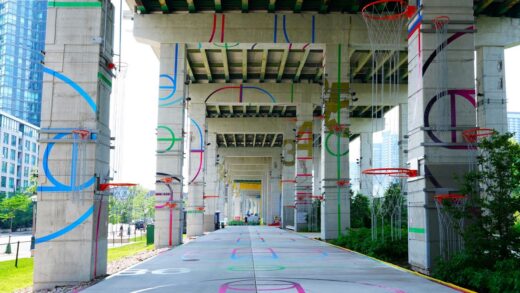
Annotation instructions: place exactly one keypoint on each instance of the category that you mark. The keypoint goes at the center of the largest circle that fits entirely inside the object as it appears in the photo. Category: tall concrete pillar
(438, 111)
(288, 182)
(275, 194)
(491, 97)
(71, 237)
(211, 188)
(335, 209)
(365, 162)
(265, 197)
(195, 205)
(403, 135)
(304, 159)
(171, 146)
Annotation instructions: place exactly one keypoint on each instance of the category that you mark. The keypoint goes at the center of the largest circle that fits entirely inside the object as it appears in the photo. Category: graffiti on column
(467, 95)
(170, 138)
(170, 84)
(64, 133)
(289, 152)
(286, 34)
(57, 185)
(333, 126)
(304, 153)
(241, 89)
(167, 181)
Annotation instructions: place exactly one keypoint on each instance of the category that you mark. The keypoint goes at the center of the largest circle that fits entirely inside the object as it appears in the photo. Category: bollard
(17, 250)
(8, 247)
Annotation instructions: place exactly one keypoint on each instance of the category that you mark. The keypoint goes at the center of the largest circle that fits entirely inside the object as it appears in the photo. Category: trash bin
(149, 234)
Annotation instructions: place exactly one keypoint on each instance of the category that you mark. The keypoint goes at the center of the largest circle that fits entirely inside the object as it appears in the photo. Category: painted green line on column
(104, 79)
(416, 230)
(338, 137)
(70, 4)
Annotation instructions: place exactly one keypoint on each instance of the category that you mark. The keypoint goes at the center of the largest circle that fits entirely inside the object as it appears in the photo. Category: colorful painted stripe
(70, 4)
(67, 229)
(416, 230)
(104, 79)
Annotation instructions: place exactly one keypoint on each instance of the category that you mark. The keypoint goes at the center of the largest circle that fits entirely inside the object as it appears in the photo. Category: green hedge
(360, 240)
(481, 274)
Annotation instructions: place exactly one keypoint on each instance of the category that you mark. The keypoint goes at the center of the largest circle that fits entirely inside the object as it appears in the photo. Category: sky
(136, 95)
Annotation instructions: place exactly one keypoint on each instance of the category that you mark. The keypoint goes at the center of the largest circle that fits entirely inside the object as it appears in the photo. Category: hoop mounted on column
(393, 172)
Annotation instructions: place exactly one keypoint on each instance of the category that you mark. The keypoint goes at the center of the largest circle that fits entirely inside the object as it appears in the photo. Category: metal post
(17, 249)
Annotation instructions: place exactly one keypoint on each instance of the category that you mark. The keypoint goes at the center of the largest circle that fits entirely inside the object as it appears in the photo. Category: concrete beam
(300, 67)
(206, 64)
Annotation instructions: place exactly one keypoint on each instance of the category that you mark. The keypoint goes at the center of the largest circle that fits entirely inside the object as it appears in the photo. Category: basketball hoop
(393, 172)
(440, 21)
(450, 239)
(387, 10)
(472, 135)
(105, 186)
(82, 133)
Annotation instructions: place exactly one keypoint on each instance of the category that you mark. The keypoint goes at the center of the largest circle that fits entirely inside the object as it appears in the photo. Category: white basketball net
(450, 240)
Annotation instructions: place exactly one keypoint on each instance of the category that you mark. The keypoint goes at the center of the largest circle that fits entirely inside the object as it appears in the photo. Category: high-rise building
(513, 122)
(19, 144)
(22, 43)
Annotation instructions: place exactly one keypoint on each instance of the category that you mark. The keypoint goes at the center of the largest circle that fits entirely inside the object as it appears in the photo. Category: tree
(360, 211)
(493, 199)
(10, 206)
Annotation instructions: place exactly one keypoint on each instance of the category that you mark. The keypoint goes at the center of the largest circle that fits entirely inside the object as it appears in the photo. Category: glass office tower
(22, 43)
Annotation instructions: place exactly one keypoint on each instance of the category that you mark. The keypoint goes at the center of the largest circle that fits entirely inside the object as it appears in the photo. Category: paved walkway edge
(447, 284)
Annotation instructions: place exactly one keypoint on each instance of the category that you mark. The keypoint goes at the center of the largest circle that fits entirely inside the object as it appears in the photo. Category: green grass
(127, 250)
(12, 278)
(16, 278)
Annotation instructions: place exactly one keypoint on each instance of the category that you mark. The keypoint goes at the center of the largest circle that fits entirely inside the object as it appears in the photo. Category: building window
(6, 138)
(4, 167)
(26, 171)
(13, 140)
(13, 155)
(27, 145)
(4, 181)
(26, 158)
(5, 153)
(11, 169)
(33, 160)
(11, 182)
(34, 147)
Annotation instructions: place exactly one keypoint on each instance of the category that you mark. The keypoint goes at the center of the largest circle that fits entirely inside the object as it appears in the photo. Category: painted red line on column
(304, 138)
(304, 158)
(222, 28)
(214, 28)
(304, 132)
(304, 175)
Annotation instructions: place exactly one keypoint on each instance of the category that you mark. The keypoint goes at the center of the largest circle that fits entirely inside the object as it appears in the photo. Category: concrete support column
(275, 194)
(195, 206)
(335, 209)
(211, 195)
(265, 197)
(438, 110)
(171, 146)
(491, 98)
(288, 182)
(304, 159)
(365, 162)
(71, 237)
(403, 135)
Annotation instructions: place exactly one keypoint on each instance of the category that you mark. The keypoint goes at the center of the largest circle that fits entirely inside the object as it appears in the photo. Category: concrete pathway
(262, 259)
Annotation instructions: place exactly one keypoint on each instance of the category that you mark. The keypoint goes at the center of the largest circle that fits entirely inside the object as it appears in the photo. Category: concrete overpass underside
(258, 102)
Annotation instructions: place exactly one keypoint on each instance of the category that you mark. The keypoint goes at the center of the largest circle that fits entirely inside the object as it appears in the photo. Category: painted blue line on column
(285, 30)
(275, 28)
(66, 229)
(262, 90)
(74, 85)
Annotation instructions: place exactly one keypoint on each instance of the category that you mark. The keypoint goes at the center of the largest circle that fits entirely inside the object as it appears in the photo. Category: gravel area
(112, 268)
